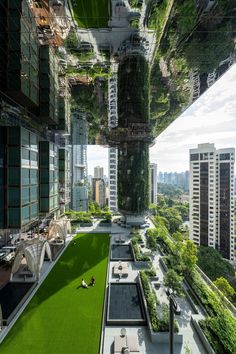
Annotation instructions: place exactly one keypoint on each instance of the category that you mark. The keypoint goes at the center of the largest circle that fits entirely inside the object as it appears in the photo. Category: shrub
(151, 301)
(138, 256)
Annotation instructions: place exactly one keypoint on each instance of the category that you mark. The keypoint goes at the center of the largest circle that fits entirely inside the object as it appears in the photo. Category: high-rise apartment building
(79, 188)
(98, 172)
(211, 198)
(153, 183)
(112, 170)
(99, 191)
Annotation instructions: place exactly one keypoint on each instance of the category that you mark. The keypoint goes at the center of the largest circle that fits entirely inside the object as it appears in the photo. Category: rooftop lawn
(62, 317)
(91, 13)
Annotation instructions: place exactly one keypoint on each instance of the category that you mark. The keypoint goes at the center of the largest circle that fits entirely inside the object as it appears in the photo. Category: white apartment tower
(113, 154)
(153, 183)
(79, 189)
(212, 198)
(112, 170)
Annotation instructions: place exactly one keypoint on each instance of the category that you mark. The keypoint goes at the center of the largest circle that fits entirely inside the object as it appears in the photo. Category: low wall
(86, 224)
(201, 335)
(139, 264)
(107, 224)
(158, 337)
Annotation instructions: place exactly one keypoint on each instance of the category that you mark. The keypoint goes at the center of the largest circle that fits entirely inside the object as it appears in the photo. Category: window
(194, 157)
(224, 156)
(25, 195)
(13, 175)
(25, 215)
(33, 176)
(25, 176)
(14, 196)
(33, 193)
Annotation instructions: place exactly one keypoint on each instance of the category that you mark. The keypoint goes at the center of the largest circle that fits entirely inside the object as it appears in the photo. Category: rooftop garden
(86, 98)
(192, 45)
(63, 316)
(91, 13)
(181, 259)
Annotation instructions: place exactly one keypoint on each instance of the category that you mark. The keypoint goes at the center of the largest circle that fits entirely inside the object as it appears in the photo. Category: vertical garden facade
(133, 148)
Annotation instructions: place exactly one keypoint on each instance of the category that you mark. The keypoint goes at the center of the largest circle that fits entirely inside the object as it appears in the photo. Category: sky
(212, 118)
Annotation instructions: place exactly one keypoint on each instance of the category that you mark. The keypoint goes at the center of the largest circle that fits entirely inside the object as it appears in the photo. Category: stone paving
(191, 339)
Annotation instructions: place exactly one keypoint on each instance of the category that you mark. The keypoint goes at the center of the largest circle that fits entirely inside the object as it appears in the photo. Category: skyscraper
(153, 183)
(99, 191)
(112, 161)
(79, 190)
(98, 172)
(211, 198)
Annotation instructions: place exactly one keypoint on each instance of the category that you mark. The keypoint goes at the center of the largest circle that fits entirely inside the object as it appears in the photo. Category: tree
(177, 236)
(174, 281)
(212, 263)
(189, 256)
(224, 286)
(71, 41)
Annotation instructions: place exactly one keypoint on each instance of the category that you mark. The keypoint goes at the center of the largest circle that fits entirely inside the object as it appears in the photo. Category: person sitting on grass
(92, 282)
(83, 284)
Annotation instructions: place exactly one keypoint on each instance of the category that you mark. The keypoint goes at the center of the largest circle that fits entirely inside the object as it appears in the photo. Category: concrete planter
(164, 337)
(206, 344)
(86, 224)
(163, 264)
(155, 278)
(140, 264)
(105, 224)
(158, 337)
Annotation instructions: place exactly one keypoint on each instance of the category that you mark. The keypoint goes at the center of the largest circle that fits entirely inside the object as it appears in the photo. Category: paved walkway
(118, 31)
(191, 340)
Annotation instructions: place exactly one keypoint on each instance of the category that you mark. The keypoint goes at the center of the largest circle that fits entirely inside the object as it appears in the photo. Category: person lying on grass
(83, 284)
(92, 282)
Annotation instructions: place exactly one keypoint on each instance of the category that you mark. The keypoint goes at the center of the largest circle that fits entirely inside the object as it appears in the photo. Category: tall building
(112, 170)
(79, 188)
(212, 198)
(99, 191)
(98, 172)
(153, 183)
(34, 114)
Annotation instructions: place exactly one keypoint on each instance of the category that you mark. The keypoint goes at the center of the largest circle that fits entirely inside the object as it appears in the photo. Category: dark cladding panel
(225, 209)
(204, 203)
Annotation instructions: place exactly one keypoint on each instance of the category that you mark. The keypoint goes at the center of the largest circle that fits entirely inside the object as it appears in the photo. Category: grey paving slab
(191, 339)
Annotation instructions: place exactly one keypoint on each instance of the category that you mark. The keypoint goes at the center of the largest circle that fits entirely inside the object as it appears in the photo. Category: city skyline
(212, 121)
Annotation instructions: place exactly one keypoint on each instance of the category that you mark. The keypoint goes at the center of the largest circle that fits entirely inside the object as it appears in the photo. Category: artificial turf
(91, 13)
(62, 317)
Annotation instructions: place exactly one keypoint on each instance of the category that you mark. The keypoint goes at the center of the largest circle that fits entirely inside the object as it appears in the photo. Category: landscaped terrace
(63, 317)
(90, 13)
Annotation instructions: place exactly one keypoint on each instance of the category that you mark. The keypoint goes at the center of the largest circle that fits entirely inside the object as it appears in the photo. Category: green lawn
(91, 13)
(62, 317)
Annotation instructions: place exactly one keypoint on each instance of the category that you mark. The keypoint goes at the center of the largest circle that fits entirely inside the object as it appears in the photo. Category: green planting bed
(91, 13)
(62, 317)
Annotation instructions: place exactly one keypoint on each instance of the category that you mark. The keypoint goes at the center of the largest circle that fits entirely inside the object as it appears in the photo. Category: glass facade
(22, 190)
(48, 161)
(19, 74)
(49, 85)
(2, 176)
(64, 179)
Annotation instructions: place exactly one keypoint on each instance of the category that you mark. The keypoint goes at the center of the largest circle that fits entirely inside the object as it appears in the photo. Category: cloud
(97, 156)
(212, 118)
